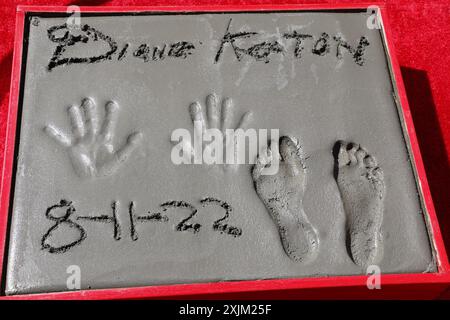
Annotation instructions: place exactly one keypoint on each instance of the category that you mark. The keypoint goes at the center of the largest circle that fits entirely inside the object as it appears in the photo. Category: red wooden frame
(429, 285)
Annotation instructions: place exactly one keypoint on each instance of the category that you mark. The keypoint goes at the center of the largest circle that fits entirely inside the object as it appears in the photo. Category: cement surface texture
(97, 195)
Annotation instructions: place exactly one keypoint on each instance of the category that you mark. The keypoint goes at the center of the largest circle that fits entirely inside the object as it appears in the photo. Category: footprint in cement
(282, 194)
(361, 184)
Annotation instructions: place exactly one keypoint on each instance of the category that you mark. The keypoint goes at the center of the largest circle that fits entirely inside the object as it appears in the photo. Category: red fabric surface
(421, 34)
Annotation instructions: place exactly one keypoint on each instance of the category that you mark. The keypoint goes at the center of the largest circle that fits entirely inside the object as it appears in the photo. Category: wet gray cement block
(319, 98)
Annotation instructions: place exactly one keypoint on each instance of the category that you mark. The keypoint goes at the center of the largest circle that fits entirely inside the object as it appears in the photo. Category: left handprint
(90, 147)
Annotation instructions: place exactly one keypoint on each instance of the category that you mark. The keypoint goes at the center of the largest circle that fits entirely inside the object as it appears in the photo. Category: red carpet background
(421, 34)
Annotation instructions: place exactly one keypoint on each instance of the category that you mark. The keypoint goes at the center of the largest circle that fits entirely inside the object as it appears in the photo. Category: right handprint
(361, 184)
(218, 117)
